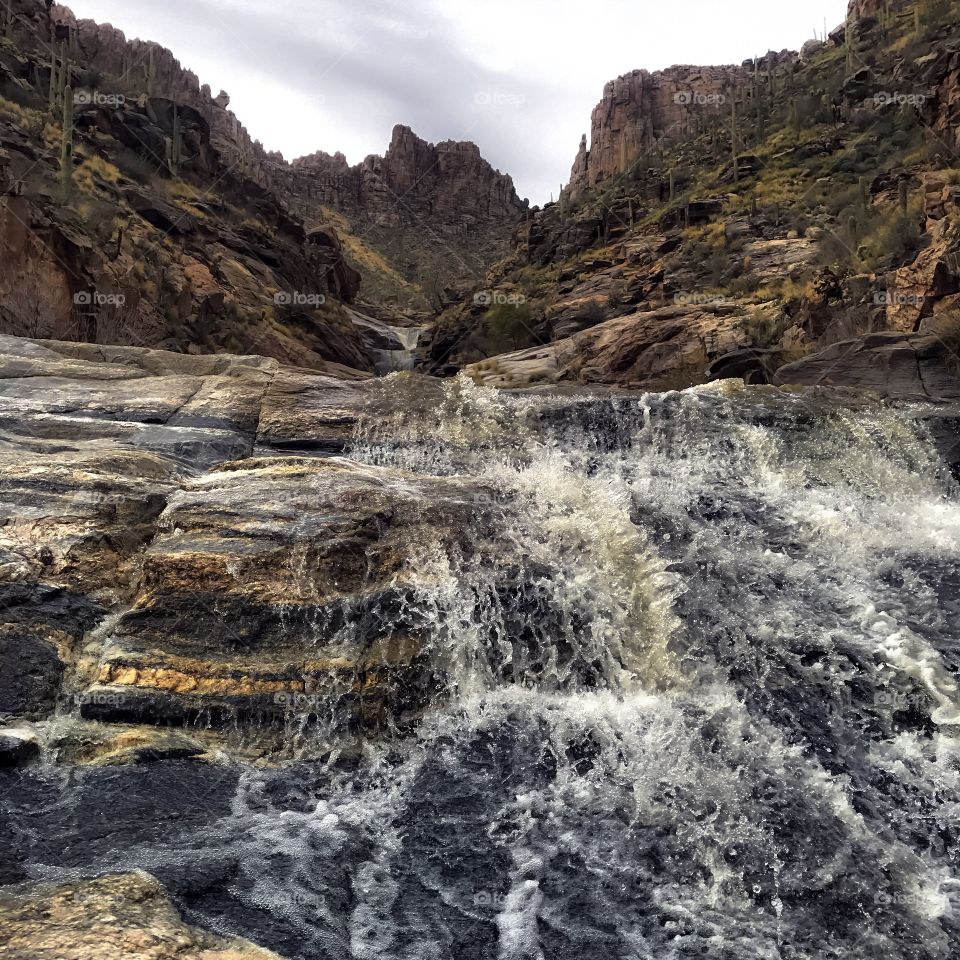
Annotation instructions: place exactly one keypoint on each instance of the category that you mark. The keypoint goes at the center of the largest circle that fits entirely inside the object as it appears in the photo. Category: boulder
(811, 48)
(896, 365)
(79, 920)
(18, 747)
(859, 86)
(752, 365)
(918, 288)
(165, 216)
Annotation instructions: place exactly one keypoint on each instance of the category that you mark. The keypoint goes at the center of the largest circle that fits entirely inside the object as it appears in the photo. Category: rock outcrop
(896, 365)
(174, 527)
(653, 349)
(439, 212)
(640, 111)
(79, 921)
(859, 9)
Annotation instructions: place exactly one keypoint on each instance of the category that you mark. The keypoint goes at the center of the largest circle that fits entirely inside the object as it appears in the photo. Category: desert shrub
(852, 323)
(616, 297)
(137, 168)
(744, 285)
(95, 169)
(28, 310)
(27, 119)
(592, 312)
(99, 216)
(893, 237)
(762, 331)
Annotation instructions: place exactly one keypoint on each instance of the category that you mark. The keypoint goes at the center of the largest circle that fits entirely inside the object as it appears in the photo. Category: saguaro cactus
(175, 146)
(150, 72)
(66, 143)
(59, 78)
(734, 147)
(6, 17)
(904, 191)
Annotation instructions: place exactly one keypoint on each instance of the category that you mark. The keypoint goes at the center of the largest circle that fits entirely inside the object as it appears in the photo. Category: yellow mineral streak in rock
(187, 676)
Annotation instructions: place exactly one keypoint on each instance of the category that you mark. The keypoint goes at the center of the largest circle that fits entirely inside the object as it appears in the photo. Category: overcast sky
(518, 77)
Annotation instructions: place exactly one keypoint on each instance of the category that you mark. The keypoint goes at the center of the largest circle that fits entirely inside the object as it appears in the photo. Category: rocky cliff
(436, 212)
(872, 8)
(766, 211)
(641, 112)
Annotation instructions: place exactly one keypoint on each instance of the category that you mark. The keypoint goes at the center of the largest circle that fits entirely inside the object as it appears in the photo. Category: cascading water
(696, 658)
(392, 361)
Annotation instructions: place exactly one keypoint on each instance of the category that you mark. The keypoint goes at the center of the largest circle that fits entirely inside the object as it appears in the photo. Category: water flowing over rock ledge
(356, 668)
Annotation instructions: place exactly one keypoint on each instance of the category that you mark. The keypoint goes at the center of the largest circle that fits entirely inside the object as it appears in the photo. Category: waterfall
(695, 660)
(390, 361)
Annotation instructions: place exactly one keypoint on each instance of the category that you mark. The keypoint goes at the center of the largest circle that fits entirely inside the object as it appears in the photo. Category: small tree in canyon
(28, 310)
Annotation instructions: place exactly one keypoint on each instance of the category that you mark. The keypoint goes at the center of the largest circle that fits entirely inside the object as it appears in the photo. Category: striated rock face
(177, 546)
(432, 210)
(640, 109)
(653, 349)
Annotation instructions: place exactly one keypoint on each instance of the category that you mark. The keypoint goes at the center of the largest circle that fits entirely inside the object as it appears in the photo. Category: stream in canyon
(693, 693)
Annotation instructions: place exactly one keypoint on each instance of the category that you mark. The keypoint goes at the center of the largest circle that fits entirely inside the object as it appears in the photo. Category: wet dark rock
(752, 365)
(39, 628)
(18, 748)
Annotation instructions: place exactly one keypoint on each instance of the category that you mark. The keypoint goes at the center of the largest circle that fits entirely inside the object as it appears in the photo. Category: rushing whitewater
(694, 694)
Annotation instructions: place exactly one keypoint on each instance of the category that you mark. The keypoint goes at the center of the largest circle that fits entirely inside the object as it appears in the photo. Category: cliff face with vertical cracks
(640, 111)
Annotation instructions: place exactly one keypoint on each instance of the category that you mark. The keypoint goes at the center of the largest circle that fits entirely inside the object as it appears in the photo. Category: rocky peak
(640, 109)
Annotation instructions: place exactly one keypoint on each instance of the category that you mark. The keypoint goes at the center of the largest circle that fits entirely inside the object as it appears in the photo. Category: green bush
(509, 326)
